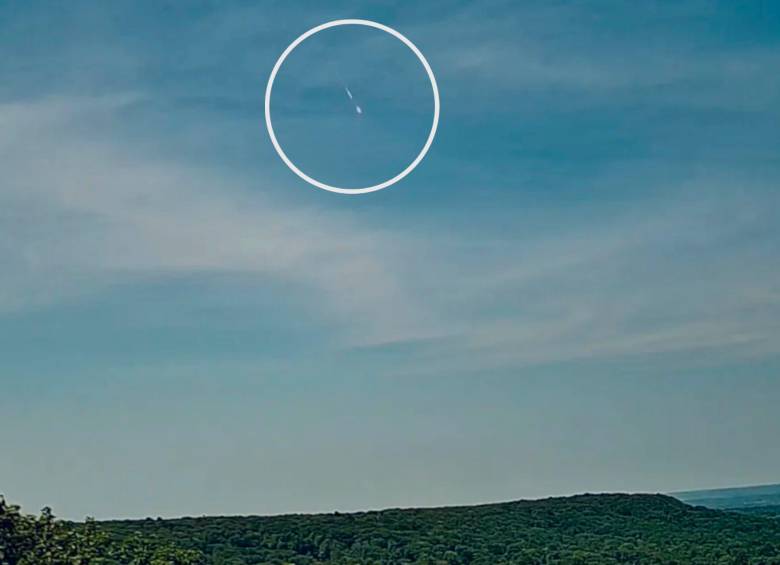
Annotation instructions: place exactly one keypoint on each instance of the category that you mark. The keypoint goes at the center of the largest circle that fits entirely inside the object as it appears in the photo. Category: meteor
(358, 109)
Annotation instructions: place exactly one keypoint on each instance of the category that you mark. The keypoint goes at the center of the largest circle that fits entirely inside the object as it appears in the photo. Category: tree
(44, 540)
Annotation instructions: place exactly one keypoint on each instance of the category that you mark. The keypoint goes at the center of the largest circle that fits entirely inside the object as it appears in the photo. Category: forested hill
(586, 529)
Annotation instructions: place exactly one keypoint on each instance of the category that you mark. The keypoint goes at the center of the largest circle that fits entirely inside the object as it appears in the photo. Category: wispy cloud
(687, 264)
(81, 212)
(691, 274)
(622, 55)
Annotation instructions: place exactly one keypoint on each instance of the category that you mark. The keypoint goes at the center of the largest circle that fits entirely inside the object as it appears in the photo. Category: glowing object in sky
(358, 109)
(269, 121)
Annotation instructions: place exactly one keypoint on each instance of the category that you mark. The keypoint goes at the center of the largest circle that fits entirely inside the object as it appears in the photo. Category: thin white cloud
(81, 211)
(569, 48)
(103, 213)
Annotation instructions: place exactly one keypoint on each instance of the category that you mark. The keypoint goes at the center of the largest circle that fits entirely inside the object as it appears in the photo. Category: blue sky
(577, 290)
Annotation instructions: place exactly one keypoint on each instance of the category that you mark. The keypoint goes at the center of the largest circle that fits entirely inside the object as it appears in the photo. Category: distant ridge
(732, 498)
(583, 529)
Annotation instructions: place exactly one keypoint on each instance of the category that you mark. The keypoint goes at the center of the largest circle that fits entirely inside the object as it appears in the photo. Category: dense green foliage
(43, 540)
(588, 529)
(768, 510)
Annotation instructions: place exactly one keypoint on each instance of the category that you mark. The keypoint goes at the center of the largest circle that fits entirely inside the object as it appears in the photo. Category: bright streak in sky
(358, 109)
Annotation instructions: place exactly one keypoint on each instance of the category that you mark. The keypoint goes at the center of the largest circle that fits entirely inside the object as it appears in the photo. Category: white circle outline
(283, 155)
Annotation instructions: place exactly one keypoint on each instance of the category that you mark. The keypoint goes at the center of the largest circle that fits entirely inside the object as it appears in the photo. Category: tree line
(579, 530)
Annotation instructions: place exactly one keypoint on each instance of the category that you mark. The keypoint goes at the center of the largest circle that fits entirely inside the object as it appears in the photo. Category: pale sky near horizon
(577, 290)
